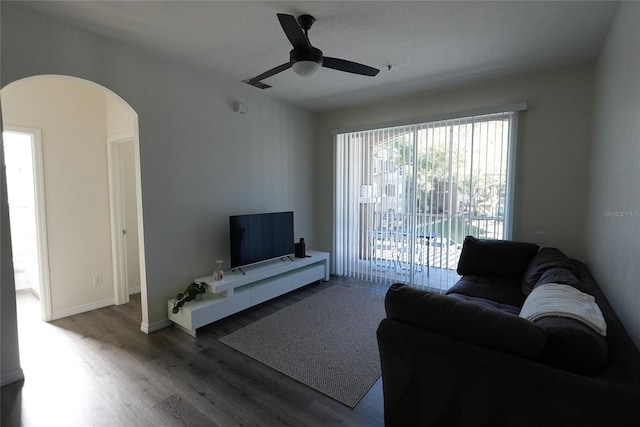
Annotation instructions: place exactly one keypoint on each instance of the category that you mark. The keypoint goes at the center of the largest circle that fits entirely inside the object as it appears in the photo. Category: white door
(125, 218)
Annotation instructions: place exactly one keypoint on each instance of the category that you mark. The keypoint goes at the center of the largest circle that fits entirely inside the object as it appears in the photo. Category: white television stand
(238, 291)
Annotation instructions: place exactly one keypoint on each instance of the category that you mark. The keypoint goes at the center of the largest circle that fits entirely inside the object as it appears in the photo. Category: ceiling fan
(304, 58)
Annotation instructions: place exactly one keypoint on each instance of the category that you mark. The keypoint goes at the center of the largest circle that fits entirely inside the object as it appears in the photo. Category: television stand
(251, 286)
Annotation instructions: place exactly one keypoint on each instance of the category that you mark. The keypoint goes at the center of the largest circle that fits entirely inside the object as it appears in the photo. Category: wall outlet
(97, 280)
(540, 237)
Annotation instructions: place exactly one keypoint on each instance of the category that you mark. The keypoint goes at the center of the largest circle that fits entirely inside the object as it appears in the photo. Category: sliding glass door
(406, 196)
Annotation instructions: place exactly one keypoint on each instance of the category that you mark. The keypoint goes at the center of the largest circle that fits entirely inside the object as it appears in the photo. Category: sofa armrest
(465, 321)
(431, 379)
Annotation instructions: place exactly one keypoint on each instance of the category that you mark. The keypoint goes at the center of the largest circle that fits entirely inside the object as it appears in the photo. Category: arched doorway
(92, 196)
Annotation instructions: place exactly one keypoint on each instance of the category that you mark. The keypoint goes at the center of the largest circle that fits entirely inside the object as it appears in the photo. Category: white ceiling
(428, 44)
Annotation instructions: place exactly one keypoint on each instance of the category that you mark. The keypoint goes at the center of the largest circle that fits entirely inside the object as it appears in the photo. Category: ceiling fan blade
(349, 66)
(293, 32)
(256, 81)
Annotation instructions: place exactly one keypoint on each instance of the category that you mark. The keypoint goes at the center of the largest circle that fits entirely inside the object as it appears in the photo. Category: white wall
(613, 209)
(552, 147)
(120, 118)
(200, 161)
(72, 117)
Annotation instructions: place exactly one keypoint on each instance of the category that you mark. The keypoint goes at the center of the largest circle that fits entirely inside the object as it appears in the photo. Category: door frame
(118, 226)
(41, 216)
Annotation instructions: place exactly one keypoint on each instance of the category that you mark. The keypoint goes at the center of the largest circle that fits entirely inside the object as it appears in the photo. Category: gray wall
(10, 370)
(553, 140)
(200, 161)
(613, 208)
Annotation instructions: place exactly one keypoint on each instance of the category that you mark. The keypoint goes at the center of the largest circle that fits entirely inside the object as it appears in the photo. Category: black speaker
(299, 250)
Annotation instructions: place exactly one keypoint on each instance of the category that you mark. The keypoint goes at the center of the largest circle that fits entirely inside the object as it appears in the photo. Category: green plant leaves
(189, 294)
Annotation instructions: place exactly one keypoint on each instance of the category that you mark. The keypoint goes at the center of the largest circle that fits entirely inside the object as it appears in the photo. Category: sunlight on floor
(53, 382)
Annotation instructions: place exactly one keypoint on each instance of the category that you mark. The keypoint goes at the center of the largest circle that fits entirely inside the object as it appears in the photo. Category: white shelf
(240, 291)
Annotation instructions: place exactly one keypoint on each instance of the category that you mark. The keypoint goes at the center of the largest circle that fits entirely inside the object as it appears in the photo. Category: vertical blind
(406, 196)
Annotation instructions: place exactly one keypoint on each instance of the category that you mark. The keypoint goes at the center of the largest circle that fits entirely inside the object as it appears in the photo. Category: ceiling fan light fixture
(305, 68)
(304, 58)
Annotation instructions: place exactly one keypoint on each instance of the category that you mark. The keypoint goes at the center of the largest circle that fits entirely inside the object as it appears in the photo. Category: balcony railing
(424, 248)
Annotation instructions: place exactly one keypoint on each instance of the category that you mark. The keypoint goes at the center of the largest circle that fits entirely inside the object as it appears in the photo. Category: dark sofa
(467, 359)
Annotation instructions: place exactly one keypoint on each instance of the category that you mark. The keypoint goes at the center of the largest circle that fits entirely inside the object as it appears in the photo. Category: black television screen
(260, 237)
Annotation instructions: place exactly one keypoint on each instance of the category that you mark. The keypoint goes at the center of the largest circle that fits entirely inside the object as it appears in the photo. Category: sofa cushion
(545, 259)
(489, 257)
(573, 346)
(465, 321)
(498, 289)
(487, 303)
(563, 276)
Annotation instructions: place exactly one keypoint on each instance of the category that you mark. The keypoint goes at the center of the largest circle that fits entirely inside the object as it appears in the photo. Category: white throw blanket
(554, 299)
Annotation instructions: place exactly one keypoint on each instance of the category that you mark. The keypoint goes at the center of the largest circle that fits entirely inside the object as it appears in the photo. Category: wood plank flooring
(99, 369)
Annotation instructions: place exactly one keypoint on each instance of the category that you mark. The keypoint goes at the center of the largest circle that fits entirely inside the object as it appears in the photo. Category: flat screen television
(260, 237)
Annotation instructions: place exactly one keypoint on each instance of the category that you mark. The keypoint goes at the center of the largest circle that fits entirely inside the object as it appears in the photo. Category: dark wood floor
(97, 368)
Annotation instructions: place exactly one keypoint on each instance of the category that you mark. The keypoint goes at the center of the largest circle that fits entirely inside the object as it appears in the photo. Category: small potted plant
(189, 294)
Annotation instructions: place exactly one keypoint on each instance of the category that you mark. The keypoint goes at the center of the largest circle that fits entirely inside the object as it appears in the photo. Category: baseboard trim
(133, 291)
(149, 328)
(82, 308)
(11, 376)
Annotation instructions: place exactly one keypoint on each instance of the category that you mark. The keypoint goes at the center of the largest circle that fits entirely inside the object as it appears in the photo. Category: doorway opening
(25, 194)
(124, 224)
(79, 120)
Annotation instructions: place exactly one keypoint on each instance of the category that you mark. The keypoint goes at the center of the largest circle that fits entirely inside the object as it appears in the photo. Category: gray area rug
(326, 341)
